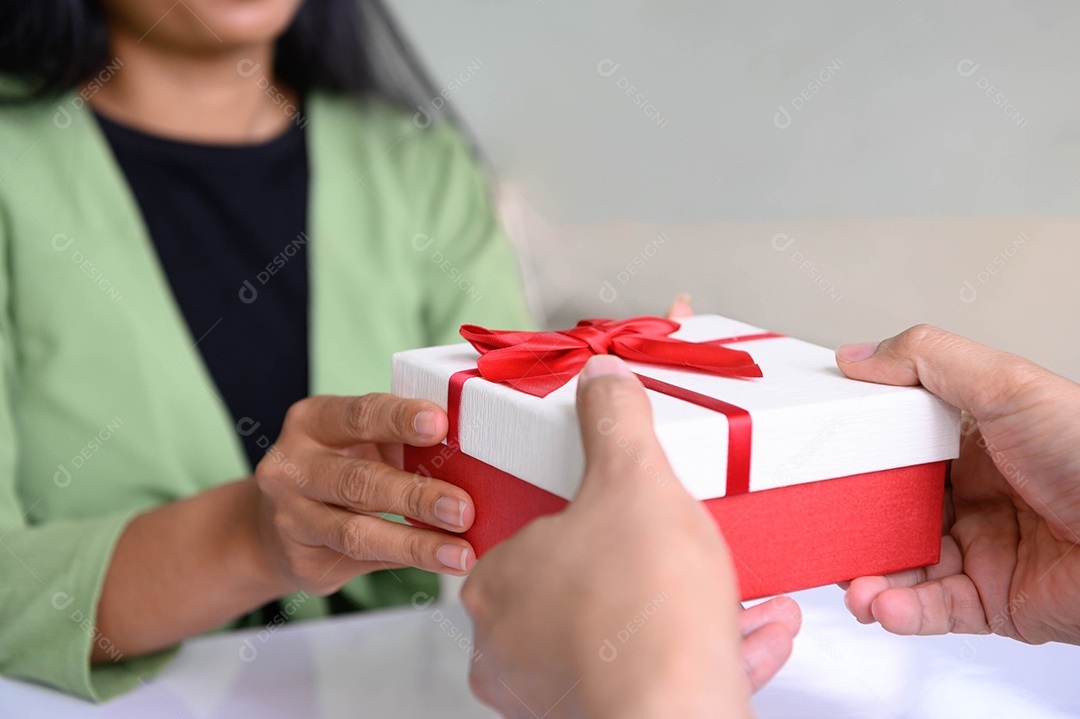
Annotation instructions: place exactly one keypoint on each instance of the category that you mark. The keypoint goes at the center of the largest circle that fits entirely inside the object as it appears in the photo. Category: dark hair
(349, 46)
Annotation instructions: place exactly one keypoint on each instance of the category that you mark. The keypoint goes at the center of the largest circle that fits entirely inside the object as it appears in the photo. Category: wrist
(251, 548)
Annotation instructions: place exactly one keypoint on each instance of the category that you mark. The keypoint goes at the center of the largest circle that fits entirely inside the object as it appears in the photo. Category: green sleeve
(52, 574)
(467, 266)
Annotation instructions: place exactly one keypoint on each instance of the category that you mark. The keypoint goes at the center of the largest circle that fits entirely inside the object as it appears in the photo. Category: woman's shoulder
(372, 113)
(380, 130)
(33, 121)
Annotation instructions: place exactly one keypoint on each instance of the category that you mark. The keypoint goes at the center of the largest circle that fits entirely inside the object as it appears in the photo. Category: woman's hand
(326, 482)
(1010, 560)
(625, 603)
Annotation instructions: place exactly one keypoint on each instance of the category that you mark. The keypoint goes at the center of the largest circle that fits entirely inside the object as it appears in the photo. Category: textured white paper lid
(810, 423)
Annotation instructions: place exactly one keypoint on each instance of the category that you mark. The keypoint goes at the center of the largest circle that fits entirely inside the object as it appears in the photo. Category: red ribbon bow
(538, 363)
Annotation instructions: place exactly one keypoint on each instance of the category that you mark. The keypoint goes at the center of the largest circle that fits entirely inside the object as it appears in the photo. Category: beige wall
(1009, 283)
(747, 121)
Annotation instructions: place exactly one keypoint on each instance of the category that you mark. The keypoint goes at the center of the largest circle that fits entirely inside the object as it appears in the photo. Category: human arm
(446, 192)
(307, 521)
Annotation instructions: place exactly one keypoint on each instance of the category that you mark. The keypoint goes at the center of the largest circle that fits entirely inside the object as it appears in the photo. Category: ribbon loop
(598, 340)
(538, 363)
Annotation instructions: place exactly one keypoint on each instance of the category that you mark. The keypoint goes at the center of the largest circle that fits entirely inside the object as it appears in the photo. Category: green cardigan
(106, 407)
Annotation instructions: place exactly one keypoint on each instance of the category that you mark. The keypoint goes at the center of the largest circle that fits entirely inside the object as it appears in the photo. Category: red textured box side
(782, 540)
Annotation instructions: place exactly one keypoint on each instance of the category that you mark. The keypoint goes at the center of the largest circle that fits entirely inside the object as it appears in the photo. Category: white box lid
(810, 423)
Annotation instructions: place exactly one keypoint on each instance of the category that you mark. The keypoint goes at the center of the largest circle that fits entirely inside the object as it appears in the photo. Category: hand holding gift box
(1009, 560)
(811, 477)
(646, 622)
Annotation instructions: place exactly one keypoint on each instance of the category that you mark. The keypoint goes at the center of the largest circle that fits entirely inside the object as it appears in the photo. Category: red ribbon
(538, 363)
(740, 426)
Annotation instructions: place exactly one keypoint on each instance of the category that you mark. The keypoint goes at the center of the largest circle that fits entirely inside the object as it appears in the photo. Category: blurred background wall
(838, 171)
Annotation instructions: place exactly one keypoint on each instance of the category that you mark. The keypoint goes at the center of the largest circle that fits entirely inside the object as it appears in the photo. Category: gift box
(812, 478)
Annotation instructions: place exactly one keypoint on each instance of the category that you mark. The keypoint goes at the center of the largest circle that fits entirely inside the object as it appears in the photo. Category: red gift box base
(782, 540)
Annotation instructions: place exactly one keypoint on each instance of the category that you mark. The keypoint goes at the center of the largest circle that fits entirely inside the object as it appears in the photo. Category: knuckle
(421, 478)
(354, 539)
(268, 477)
(923, 330)
(372, 414)
(414, 500)
(283, 524)
(414, 550)
(401, 417)
(299, 412)
(264, 478)
(993, 383)
(356, 485)
(1005, 381)
(919, 340)
(361, 414)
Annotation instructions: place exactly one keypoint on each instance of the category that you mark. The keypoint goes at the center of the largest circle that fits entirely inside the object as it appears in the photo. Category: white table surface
(413, 663)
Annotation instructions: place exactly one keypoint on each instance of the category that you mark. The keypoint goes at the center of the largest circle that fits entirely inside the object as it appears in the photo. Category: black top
(228, 222)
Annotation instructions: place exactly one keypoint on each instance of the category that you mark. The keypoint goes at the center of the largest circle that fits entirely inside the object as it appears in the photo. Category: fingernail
(424, 423)
(453, 556)
(684, 298)
(604, 366)
(857, 352)
(451, 510)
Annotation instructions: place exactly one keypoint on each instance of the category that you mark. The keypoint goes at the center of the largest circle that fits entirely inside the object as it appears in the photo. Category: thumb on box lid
(964, 373)
(617, 427)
